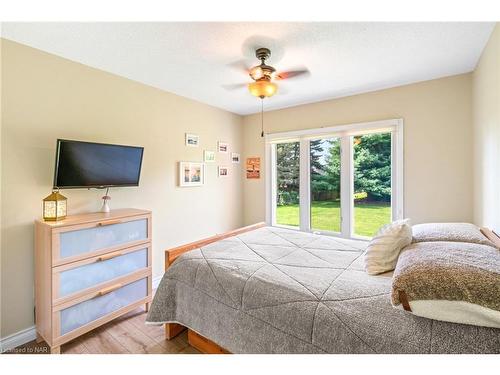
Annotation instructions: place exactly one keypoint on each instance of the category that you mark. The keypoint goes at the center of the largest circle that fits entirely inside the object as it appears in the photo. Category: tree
(333, 170)
(325, 164)
(317, 149)
(318, 168)
(287, 170)
(372, 166)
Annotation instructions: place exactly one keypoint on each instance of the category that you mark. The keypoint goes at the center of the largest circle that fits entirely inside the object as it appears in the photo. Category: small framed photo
(192, 140)
(223, 171)
(191, 174)
(208, 156)
(235, 158)
(223, 147)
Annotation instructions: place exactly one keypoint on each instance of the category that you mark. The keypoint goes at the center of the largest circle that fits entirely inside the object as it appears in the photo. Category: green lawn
(368, 217)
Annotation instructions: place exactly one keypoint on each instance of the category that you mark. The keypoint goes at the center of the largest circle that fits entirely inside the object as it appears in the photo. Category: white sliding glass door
(345, 181)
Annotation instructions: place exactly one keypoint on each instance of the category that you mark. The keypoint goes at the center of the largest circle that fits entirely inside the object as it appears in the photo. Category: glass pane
(372, 182)
(85, 312)
(79, 278)
(81, 241)
(325, 184)
(287, 183)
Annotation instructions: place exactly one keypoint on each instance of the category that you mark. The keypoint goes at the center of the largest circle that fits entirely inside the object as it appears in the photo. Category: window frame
(345, 134)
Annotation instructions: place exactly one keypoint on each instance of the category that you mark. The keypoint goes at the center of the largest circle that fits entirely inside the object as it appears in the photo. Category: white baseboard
(156, 281)
(17, 339)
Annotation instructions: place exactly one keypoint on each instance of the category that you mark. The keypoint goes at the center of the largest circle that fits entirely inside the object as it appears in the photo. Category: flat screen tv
(96, 165)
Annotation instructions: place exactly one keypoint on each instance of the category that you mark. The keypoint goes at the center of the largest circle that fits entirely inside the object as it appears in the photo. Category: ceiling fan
(264, 76)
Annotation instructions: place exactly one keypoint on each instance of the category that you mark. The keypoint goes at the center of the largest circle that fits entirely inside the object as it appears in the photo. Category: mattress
(275, 290)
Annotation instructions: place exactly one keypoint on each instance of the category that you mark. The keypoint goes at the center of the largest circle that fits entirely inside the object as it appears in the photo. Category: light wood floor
(125, 335)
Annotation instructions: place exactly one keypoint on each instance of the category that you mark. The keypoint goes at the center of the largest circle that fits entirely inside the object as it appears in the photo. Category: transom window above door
(345, 180)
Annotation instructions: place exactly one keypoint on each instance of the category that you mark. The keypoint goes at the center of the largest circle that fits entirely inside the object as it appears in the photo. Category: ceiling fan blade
(240, 65)
(292, 74)
(235, 86)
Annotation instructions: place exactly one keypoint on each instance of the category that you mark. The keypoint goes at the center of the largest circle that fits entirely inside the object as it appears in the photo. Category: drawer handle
(108, 257)
(109, 289)
(104, 223)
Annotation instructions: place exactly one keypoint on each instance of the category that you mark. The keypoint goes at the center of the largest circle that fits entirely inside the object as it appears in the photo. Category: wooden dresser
(90, 269)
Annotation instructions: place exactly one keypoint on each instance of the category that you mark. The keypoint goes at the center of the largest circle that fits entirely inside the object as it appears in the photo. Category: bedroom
(372, 123)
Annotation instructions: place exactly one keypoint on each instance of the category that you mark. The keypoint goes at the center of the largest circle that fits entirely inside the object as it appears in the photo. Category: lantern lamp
(55, 206)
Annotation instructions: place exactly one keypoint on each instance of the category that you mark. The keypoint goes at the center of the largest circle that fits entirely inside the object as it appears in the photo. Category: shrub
(287, 197)
(360, 196)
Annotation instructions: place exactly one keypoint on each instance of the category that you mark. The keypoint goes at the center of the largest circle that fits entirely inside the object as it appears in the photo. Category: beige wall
(486, 109)
(45, 97)
(437, 143)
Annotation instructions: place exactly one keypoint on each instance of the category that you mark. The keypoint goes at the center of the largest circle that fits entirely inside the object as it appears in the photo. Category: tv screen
(86, 164)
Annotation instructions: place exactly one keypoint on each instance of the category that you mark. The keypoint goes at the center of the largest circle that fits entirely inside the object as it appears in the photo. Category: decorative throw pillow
(450, 281)
(455, 232)
(383, 250)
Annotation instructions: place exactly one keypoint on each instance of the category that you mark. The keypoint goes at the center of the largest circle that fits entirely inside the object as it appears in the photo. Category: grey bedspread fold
(275, 290)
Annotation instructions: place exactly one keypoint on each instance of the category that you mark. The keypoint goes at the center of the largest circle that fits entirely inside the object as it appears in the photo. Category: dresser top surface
(94, 217)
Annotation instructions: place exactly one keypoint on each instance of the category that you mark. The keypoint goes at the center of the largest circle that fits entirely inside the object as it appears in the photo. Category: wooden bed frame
(199, 342)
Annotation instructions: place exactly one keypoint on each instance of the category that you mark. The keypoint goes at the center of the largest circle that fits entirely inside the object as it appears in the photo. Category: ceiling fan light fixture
(256, 73)
(263, 88)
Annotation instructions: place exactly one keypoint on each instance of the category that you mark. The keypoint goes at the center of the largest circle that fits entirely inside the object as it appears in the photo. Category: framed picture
(223, 171)
(253, 167)
(191, 174)
(208, 156)
(235, 158)
(223, 147)
(192, 140)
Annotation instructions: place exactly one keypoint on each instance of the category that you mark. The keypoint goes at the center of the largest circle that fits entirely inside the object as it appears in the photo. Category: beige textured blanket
(451, 271)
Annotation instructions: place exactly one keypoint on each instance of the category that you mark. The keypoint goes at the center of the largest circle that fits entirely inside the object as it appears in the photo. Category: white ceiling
(196, 60)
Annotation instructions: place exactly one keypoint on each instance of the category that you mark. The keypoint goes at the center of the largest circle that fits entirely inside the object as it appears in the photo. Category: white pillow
(383, 250)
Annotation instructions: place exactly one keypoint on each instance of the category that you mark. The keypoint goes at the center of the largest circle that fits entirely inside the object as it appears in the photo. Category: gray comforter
(274, 290)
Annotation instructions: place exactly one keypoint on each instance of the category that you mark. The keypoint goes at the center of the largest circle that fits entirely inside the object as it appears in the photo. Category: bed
(264, 289)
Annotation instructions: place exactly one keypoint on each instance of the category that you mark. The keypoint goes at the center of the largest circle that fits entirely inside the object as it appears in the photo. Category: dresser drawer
(71, 243)
(79, 276)
(109, 301)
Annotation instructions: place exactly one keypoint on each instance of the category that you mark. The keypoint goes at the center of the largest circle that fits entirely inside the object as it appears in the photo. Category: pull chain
(262, 116)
